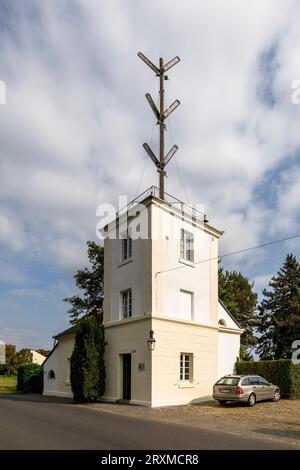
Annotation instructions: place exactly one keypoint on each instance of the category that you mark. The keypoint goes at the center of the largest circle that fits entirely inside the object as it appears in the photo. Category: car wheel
(276, 396)
(251, 400)
(222, 402)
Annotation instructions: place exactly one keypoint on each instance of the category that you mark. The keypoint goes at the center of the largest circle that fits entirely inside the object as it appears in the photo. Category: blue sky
(75, 118)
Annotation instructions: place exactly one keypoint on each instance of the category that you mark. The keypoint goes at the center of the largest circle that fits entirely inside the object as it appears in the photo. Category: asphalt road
(34, 422)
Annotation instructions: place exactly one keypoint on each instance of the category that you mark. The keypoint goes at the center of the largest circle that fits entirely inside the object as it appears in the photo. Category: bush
(4, 370)
(87, 361)
(26, 372)
(280, 372)
(37, 382)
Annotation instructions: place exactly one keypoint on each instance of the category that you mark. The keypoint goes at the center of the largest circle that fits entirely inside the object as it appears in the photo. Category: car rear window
(228, 381)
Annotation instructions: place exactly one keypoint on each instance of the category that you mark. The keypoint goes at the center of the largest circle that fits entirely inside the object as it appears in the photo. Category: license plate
(225, 390)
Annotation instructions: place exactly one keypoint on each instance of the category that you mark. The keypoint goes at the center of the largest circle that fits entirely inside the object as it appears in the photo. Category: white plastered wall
(228, 343)
(197, 278)
(59, 363)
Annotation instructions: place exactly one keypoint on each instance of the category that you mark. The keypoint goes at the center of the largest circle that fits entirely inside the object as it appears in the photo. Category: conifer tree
(279, 312)
(87, 360)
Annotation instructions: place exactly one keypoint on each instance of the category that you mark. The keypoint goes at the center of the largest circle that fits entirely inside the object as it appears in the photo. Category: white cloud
(262, 281)
(68, 254)
(76, 116)
(11, 232)
(76, 96)
(25, 337)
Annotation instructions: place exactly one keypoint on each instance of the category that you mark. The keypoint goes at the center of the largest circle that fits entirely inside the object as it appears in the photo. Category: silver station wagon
(245, 389)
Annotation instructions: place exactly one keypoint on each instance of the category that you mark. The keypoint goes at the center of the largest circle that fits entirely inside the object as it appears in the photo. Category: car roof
(241, 376)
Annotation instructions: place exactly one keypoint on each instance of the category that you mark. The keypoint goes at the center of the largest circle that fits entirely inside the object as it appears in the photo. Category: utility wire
(179, 174)
(273, 242)
(146, 156)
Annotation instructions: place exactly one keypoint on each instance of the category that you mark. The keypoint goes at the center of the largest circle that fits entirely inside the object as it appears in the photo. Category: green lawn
(8, 384)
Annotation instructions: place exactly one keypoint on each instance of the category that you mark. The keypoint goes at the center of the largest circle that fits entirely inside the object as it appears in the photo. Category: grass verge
(8, 384)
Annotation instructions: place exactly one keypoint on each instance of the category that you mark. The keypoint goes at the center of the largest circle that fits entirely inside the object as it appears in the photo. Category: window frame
(183, 367)
(245, 384)
(263, 381)
(254, 380)
(126, 247)
(187, 250)
(128, 313)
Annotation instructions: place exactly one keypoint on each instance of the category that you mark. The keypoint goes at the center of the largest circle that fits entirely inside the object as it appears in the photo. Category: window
(222, 322)
(126, 303)
(262, 381)
(228, 381)
(187, 245)
(186, 305)
(126, 248)
(245, 382)
(186, 367)
(254, 381)
(51, 375)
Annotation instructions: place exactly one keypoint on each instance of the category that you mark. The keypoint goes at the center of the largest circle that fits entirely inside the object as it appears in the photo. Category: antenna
(170, 154)
(161, 115)
(151, 155)
(152, 105)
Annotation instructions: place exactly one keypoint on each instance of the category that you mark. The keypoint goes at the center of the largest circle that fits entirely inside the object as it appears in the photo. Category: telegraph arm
(161, 115)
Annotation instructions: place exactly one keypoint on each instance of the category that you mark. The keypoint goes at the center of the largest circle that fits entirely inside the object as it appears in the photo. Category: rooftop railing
(171, 201)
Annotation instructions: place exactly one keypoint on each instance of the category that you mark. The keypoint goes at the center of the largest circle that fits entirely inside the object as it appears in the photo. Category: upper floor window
(126, 248)
(186, 305)
(126, 303)
(187, 245)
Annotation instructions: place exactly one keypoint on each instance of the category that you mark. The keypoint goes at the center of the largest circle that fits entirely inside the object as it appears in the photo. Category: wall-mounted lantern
(151, 341)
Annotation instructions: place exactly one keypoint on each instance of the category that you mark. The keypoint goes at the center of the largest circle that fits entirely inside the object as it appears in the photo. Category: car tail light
(239, 391)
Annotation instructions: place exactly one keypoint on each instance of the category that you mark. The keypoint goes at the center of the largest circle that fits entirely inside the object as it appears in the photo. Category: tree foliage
(91, 282)
(25, 374)
(87, 360)
(43, 352)
(24, 356)
(10, 358)
(281, 372)
(279, 312)
(236, 292)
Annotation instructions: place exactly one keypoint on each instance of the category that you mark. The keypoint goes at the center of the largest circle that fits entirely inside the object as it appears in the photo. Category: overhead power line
(244, 250)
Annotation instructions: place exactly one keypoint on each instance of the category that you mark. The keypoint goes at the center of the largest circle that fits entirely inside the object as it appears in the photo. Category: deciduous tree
(237, 294)
(91, 282)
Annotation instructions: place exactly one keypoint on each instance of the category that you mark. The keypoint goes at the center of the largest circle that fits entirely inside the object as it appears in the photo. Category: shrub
(25, 374)
(281, 372)
(87, 361)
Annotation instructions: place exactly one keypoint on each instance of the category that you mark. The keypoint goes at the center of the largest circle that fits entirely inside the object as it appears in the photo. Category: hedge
(282, 372)
(26, 372)
(87, 361)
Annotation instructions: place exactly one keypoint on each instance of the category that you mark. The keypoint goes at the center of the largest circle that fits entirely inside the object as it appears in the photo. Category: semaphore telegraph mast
(161, 115)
